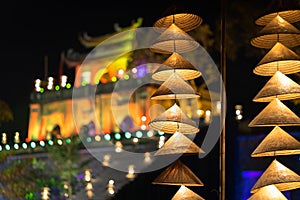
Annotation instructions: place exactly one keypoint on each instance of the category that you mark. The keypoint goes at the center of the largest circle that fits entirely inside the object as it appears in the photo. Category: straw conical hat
(185, 193)
(174, 88)
(183, 16)
(279, 58)
(173, 39)
(275, 114)
(277, 30)
(180, 65)
(178, 174)
(173, 120)
(178, 143)
(269, 192)
(185, 21)
(277, 142)
(279, 175)
(279, 86)
(290, 16)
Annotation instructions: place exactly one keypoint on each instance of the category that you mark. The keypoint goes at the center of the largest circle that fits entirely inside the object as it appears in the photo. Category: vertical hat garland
(175, 72)
(278, 35)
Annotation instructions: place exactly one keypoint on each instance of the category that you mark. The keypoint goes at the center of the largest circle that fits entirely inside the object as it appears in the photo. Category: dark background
(31, 30)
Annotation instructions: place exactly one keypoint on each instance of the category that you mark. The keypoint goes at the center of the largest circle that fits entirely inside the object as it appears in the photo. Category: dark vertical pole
(61, 65)
(45, 67)
(223, 100)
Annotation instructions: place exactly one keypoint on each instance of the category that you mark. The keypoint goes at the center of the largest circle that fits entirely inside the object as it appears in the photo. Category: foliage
(25, 178)
(65, 159)
(6, 113)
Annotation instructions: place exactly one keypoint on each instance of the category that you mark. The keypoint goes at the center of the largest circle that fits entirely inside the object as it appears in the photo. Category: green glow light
(83, 83)
(32, 145)
(68, 86)
(150, 133)
(24, 145)
(16, 146)
(114, 79)
(68, 140)
(89, 139)
(107, 137)
(42, 143)
(126, 77)
(117, 136)
(50, 142)
(7, 147)
(139, 134)
(42, 90)
(59, 142)
(57, 87)
(160, 133)
(127, 135)
(98, 138)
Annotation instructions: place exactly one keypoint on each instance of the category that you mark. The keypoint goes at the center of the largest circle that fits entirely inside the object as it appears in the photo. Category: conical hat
(290, 16)
(277, 142)
(185, 193)
(173, 120)
(178, 143)
(185, 17)
(185, 21)
(275, 114)
(173, 39)
(174, 88)
(279, 86)
(280, 176)
(269, 192)
(277, 30)
(178, 174)
(176, 63)
(279, 58)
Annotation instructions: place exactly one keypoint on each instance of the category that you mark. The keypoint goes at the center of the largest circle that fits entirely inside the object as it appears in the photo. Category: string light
(46, 193)
(106, 160)
(118, 147)
(130, 174)
(17, 137)
(63, 82)
(238, 112)
(4, 138)
(50, 83)
(111, 187)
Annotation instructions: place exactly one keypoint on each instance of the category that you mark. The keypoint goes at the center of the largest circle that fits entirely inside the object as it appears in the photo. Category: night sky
(31, 30)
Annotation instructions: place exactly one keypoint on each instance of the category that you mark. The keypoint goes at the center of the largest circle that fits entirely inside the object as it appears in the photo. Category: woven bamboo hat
(173, 39)
(290, 16)
(174, 120)
(279, 58)
(288, 10)
(180, 14)
(175, 62)
(185, 193)
(174, 88)
(178, 143)
(178, 174)
(277, 30)
(269, 192)
(279, 86)
(275, 114)
(279, 175)
(277, 142)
